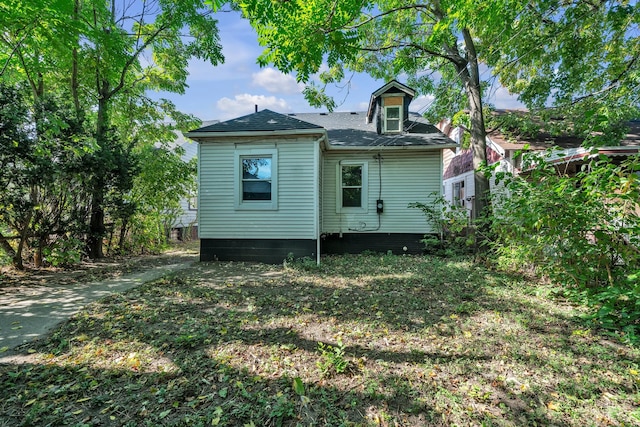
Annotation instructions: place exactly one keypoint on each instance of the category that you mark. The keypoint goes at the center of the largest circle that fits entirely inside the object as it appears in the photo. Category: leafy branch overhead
(385, 39)
(578, 57)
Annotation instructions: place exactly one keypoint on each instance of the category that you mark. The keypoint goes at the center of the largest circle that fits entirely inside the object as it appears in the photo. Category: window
(458, 193)
(256, 183)
(193, 202)
(393, 119)
(352, 186)
(256, 178)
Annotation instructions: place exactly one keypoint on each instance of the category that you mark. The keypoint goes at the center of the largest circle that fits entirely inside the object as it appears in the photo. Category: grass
(368, 340)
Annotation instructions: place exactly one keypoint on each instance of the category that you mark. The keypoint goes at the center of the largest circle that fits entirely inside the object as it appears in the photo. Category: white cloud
(275, 81)
(244, 104)
(503, 99)
(421, 103)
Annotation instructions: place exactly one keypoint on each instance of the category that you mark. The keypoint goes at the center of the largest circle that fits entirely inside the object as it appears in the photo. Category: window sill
(341, 210)
(258, 206)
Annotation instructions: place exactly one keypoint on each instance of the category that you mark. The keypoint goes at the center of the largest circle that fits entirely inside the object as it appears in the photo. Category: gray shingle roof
(343, 129)
(265, 120)
(351, 130)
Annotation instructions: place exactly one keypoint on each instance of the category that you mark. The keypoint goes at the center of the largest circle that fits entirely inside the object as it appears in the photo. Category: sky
(232, 89)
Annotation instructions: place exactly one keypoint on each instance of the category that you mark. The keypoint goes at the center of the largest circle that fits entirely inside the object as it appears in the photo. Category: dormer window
(392, 113)
(392, 119)
(389, 107)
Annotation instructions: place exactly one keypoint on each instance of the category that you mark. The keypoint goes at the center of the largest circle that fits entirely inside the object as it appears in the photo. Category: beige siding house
(274, 185)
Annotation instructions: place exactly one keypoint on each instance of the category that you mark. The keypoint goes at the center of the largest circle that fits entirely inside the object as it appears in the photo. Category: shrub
(581, 231)
(64, 252)
(451, 227)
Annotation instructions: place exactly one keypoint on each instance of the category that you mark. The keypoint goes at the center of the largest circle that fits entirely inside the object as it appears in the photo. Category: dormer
(389, 107)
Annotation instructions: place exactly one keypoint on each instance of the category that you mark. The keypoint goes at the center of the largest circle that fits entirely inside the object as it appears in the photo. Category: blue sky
(232, 89)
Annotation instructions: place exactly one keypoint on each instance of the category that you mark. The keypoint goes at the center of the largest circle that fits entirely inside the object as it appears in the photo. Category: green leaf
(298, 386)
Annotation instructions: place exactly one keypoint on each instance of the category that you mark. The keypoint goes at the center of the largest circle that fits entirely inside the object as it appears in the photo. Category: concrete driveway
(29, 315)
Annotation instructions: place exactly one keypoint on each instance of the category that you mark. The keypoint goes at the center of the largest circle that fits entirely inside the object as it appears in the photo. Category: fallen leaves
(237, 344)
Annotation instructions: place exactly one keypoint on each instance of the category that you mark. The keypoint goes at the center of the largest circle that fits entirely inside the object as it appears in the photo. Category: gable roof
(261, 121)
(343, 130)
(393, 86)
(350, 130)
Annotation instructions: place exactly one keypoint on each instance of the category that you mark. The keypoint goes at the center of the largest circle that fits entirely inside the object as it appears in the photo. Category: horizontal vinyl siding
(295, 216)
(407, 177)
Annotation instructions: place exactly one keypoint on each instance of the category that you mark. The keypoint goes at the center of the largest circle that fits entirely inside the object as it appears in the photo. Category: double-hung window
(458, 193)
(393, 119)
(193, 202)
(352, 186)
(256, 179)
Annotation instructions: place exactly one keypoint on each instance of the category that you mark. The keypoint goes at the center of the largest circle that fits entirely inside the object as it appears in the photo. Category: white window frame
(364, 196)
(256, 205)
(456, 200)
(400, 119)
(192, 202)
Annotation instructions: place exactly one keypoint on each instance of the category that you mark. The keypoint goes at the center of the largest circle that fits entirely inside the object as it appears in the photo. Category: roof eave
(390, 147)
(197, 136)
(579, 153)
(404, 88)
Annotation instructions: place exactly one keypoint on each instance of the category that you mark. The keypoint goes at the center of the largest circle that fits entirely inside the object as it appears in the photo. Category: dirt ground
(88, 271)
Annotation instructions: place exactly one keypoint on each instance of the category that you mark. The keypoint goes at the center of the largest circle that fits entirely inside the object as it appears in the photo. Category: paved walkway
(27, 316)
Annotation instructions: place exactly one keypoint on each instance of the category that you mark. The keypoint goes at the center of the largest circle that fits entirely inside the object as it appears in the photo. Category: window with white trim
(256, 179)
(393, 118)
(352, 186)
(458, 193)
(193, 202)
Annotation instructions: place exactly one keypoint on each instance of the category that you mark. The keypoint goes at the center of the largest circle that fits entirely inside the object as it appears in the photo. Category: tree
(440, 44)
(119, 37)
(100, 56)
(41, 174)
(576, 60)
(14, 175)
(385, 39)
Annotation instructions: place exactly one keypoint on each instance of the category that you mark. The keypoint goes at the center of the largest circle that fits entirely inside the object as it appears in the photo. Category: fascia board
(391, 148)
(495, 146)
(208, 136)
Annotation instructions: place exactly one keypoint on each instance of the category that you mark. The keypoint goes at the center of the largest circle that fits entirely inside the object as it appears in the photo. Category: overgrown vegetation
(44, 186)
(581, 231)
(451, 223)
(371, 340)
(83, 149)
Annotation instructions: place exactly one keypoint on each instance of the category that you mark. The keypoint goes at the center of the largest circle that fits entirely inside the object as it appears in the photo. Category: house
(274, 185)
(458, 183)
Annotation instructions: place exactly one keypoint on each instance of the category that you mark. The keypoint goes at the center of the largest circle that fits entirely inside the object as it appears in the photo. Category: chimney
(256, 105)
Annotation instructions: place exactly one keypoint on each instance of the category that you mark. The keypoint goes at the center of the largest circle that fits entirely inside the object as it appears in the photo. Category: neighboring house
(274, 185)
(458, 183)
(186, 225)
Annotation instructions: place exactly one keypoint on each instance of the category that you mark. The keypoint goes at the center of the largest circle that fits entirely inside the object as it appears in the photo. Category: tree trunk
(123, 235)
(38, 258)
(96, 223)
(478, 131)
(17, 257)
(74, 66)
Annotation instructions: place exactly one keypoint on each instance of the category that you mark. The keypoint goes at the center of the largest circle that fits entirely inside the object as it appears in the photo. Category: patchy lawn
(360, 341)
(88, 271)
